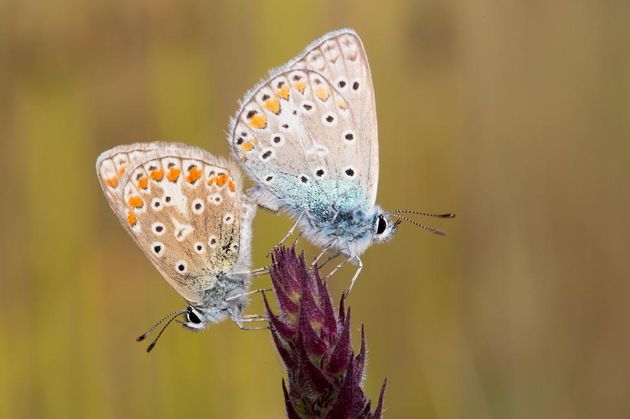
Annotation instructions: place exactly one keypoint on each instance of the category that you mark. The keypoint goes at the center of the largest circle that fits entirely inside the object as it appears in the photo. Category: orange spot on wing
(322, 93)
(131, 219)
(221, 179)
(258, 121)
(299, 86)
(157, 175)
(283, 92)
(247, 146)
(341, 104)
(143, 182)
(135, 202)
(212, 180)
(273, 105)
(232, 185)
(112, 182)
(173, 174)
(194, 175)
(121, 170)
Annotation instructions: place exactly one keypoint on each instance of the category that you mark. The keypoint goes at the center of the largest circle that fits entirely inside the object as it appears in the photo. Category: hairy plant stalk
(325, 376)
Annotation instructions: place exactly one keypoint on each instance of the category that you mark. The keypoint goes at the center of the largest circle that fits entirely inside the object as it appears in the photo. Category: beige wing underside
(313, 120)
(183, 207)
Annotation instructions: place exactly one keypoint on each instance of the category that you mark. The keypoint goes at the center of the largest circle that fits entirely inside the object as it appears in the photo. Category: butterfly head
(195, 319)
(384, 226)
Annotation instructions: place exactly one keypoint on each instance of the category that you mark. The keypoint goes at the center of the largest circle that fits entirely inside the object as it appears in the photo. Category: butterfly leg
(249, 318)
(246, 319)
(260, 271)
(330, 258)
(289, 233)
(244, 294)
(242, 327)
(255, 272)
(339, 266)
(297, 239)
(358, 271)
(354, 259)
(325, 250)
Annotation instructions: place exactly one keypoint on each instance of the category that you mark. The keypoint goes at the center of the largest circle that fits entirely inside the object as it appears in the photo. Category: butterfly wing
(112, 165)
(185, 209)
(307, 134)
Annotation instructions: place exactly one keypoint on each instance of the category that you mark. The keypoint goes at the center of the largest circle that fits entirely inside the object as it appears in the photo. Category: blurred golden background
(515, 115)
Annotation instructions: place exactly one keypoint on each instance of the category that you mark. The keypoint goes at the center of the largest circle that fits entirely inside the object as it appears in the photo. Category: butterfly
(186, 211)
(307, 135)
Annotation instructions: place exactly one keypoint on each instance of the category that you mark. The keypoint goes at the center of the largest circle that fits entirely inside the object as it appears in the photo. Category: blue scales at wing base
(321, 198)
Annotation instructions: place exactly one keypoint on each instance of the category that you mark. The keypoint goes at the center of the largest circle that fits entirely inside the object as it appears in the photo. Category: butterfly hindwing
(306, 135)
(112, 165)
(185, 210)
(340, 57)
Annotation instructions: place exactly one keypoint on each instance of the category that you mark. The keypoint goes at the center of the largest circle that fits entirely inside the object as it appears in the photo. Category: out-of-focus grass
(513, 116)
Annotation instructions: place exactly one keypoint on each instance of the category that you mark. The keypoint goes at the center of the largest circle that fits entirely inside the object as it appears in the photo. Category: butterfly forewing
(310, 129)
(184, 209)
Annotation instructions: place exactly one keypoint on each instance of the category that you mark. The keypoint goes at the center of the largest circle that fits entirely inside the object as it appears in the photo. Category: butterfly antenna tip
(171, 316)
(426, 214)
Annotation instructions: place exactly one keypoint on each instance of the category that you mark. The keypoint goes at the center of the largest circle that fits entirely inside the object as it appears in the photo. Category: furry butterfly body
(307, 135)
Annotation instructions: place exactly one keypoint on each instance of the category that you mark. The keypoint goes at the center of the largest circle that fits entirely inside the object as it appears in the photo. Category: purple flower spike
(324, 375)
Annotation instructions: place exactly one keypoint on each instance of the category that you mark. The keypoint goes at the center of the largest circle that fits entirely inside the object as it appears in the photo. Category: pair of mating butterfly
(306, 135)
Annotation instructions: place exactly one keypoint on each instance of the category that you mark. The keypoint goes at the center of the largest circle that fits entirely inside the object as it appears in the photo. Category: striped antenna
(152, 344)
(170, 315)
(426, 214)
(422, 226)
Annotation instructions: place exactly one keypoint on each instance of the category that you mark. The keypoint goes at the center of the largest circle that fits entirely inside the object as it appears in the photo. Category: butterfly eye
(382, 225)
(192, 317)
